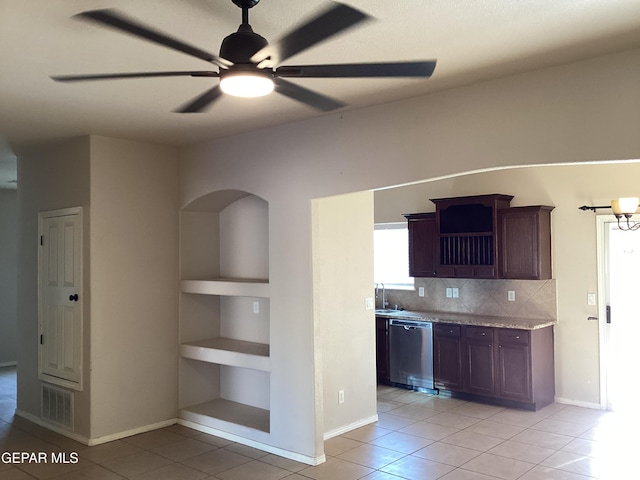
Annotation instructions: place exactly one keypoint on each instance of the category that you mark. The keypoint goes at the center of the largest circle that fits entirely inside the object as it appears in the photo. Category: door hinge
(608, 313)
(41, 339)
(41, 239)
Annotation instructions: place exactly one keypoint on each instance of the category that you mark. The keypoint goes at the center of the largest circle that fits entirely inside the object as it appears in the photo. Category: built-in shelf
(227, 287)
(222, 414)
(229, 351)
(225, 315)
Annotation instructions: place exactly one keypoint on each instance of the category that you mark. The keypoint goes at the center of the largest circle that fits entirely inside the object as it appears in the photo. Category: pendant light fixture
(623, 208)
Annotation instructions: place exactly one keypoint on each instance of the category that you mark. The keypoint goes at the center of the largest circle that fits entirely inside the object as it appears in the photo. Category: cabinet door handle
(483, 334)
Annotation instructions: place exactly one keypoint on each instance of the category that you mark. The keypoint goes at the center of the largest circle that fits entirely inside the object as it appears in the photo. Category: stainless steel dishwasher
(411, 353)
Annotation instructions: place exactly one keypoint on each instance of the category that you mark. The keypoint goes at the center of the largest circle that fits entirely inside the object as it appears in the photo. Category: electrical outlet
(456, 292)
(256, 307)
(449, 292)
(421, 291)
(368, 303)
(511, 295)
(341, 396)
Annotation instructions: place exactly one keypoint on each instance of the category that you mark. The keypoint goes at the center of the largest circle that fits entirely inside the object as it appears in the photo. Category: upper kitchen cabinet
(423, 234)
(467, 230)
(525, 242)
(480, 237)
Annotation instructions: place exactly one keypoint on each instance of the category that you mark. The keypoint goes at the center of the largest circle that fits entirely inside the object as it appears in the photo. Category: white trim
(8, 364)
(313, 461)
(94, 441)
(351, 426)
(579, 403)
(132, 432)
(601, 224)
(52, 426)
(390, 225)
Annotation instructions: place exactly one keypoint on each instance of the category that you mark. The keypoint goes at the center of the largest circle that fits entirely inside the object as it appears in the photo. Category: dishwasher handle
(409, 325)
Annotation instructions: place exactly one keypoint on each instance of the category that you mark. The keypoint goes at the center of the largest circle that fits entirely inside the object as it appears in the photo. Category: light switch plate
(449, 292)
(591, 298)
(456, 292)
(368, 303)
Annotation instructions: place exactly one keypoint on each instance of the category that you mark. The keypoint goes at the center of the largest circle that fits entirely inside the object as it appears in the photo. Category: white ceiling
(472, 40)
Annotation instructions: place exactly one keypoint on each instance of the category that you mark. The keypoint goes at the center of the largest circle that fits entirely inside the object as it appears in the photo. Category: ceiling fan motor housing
(240, 46)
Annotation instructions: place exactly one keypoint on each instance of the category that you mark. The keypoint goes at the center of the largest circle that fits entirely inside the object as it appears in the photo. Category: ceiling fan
(249, 66)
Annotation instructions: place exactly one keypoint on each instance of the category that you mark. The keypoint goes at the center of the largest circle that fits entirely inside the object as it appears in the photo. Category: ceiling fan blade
(201, 102)
(117, 76)
(304, 95)
(328, 23)
(389, 69)
(113, 19)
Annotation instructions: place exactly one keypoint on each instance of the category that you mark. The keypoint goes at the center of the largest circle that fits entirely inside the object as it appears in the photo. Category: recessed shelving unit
(224, 314)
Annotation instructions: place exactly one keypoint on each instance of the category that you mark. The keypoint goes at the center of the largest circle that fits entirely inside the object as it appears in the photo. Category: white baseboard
(50, 426)
(578, 403)
(313, 461)
(351, 426)
(132, 432)
(94, 441)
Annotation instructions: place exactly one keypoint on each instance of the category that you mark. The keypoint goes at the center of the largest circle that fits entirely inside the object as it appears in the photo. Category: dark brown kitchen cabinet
(447, 356)
(423, 236)
(480, 236)
(467, 235)
(514, 365)
(479, 370)
(511, 367)
(524, 250)
(382, 349)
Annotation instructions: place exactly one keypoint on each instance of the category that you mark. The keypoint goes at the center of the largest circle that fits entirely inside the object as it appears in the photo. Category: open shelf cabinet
(224, 314)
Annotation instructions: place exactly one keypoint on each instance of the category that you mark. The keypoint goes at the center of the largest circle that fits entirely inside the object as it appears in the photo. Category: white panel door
(60, 297)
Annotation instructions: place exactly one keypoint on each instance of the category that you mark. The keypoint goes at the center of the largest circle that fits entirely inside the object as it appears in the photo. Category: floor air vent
(57, 406)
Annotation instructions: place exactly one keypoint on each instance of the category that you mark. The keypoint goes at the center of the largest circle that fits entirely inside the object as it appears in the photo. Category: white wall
(52, 176)
(342, 280)
(584, 111)
(8, 274)
(134, 295)
(130, 249)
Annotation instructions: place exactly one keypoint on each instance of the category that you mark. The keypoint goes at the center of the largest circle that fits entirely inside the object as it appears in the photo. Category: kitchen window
(391, 255)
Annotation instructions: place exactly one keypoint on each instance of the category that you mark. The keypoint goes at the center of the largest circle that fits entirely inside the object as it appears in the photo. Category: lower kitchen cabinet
(506, 366)
(382, 349)
(447, 354)
(479, 371)
(514, 365)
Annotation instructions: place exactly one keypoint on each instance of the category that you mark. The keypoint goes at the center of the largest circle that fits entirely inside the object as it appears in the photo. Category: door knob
(73, 298)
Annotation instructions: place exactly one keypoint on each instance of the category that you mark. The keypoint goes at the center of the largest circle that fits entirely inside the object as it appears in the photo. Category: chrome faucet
(385, 302)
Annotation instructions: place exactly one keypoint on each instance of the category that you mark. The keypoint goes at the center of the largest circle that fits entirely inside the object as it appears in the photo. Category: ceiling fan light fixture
(246, 84)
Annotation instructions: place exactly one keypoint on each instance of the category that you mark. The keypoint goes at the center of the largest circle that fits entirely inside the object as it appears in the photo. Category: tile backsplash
(533, 298)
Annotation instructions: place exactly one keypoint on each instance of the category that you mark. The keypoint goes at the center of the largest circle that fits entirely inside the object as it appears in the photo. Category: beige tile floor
(418, 436)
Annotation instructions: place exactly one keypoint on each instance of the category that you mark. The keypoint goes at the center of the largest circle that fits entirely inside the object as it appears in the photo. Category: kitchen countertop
(467, 319)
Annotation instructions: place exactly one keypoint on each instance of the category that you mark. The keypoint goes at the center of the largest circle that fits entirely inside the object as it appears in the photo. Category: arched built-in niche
(224, 315)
